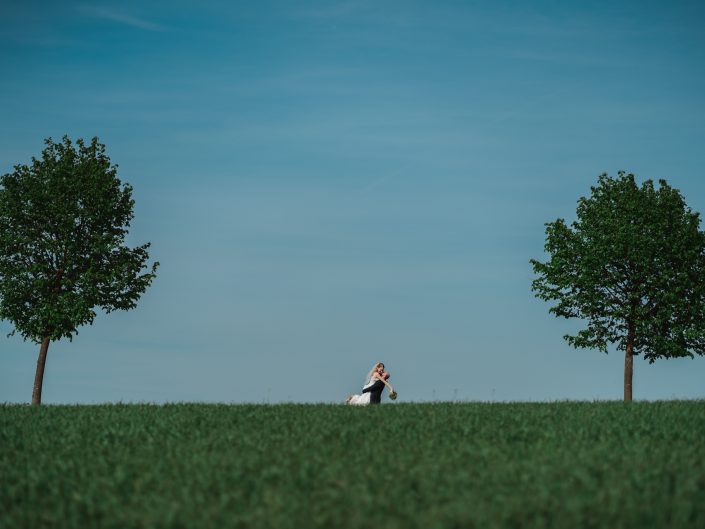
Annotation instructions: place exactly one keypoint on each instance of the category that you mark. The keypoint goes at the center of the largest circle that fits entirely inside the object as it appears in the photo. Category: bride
(372, 389)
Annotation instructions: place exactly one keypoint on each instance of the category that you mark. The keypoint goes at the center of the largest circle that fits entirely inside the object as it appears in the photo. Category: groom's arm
(377, 386)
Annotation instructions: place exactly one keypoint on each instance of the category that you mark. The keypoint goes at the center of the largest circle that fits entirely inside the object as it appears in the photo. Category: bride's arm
(391, 389)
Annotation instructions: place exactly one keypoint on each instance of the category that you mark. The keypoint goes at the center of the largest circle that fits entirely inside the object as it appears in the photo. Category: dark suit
(375, 391)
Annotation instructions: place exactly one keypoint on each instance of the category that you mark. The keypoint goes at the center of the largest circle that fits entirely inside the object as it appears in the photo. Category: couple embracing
(372, 389)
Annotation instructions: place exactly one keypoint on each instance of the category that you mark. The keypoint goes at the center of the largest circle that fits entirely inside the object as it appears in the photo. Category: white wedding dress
(363, 398)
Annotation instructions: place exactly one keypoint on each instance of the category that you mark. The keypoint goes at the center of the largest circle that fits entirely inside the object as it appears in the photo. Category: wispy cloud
(121, 18)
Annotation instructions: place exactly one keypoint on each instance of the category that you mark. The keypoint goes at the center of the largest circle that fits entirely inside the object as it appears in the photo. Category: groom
(375, 390)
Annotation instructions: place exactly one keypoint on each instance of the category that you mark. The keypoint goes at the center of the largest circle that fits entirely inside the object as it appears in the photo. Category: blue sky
(329, 184)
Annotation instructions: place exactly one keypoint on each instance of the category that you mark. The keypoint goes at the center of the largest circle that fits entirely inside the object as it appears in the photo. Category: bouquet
(393, 395)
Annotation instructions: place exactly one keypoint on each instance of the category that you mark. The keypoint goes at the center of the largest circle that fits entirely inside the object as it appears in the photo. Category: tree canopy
(63, 223)
(632, 266)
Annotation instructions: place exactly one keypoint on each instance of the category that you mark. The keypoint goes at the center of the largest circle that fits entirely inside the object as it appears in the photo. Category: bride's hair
(372, 372)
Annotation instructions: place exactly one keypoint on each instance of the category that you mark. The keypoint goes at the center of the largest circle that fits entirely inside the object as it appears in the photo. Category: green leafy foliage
(63, 223)
(633, 266)
(401, 466)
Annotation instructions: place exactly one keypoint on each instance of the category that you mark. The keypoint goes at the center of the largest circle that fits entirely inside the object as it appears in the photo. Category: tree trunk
(629, 364)
(42, 360)
(39, 376)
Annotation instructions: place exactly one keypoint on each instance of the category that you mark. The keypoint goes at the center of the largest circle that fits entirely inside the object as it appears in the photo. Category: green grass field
(459, 465)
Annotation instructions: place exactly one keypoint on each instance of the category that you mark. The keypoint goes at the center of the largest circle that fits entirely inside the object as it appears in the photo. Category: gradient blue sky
(328, 184)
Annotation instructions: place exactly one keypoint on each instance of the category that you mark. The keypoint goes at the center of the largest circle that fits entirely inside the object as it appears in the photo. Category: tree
(63, 223)
(633, 266)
